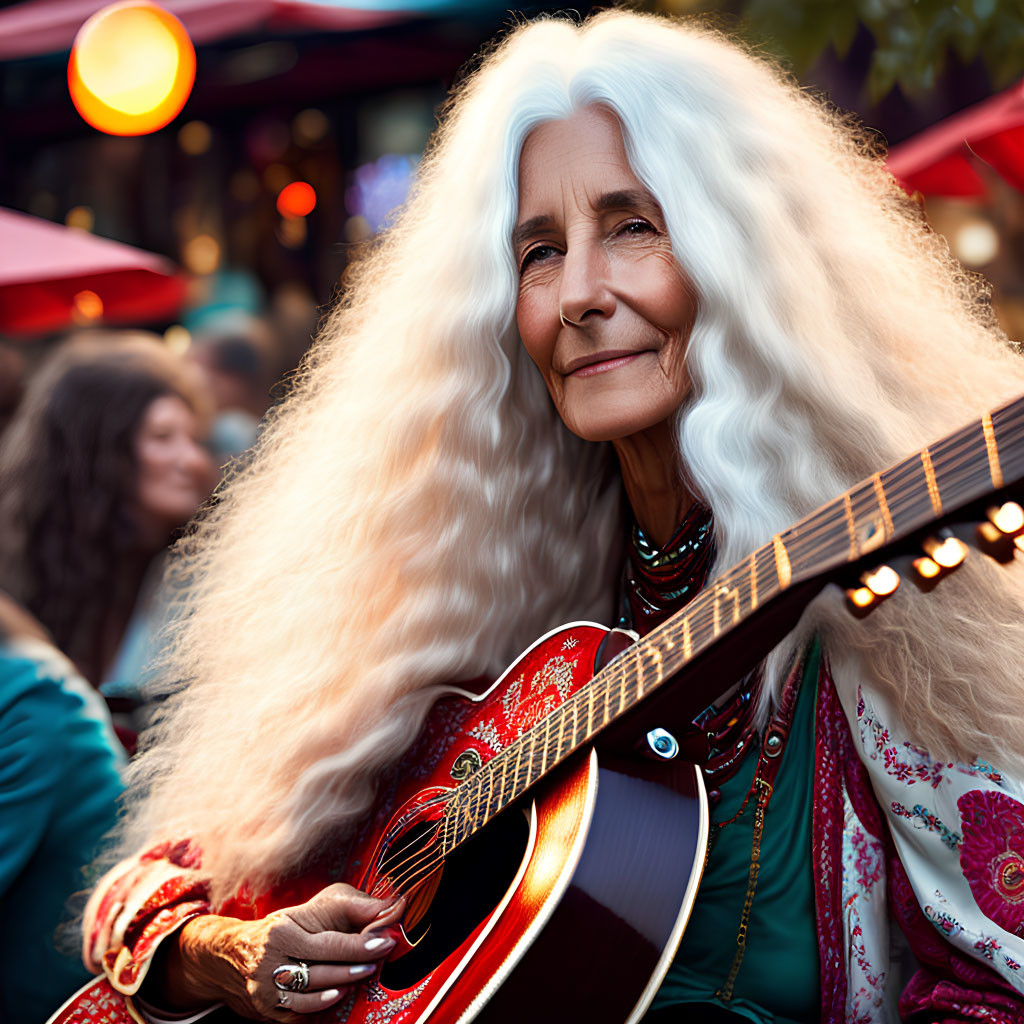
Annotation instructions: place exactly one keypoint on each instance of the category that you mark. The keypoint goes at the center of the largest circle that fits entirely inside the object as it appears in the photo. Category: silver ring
(298, 977)
(566, 322)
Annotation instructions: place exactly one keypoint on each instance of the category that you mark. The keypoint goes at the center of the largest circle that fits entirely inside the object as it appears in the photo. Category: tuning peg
(876, 585)
(945, 550)
(1008, 518)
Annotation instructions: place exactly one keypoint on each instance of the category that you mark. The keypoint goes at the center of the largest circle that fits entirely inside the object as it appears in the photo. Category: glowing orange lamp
(132, 67)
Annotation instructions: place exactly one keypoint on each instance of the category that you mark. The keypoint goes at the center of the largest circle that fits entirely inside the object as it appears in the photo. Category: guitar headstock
(929, 559)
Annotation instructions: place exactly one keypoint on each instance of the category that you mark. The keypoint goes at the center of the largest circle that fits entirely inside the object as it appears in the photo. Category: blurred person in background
(101, 465)
(59, 782)
(238, 359)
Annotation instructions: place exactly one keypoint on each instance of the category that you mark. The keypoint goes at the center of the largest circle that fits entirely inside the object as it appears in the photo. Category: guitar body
(590, 876)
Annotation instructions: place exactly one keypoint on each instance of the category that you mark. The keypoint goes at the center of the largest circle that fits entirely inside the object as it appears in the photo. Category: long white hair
(416, 513)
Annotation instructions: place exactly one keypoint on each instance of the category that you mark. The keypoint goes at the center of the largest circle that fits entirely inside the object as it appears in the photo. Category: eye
(534, 255)
(637, 226)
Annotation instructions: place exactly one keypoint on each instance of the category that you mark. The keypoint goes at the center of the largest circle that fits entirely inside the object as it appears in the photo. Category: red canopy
(938, 161)
(49, 26)
(45, 266)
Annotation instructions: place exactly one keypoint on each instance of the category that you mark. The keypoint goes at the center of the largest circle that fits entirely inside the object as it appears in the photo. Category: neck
(649, 464)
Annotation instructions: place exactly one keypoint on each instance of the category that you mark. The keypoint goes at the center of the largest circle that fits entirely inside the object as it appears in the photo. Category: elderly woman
(647, 305)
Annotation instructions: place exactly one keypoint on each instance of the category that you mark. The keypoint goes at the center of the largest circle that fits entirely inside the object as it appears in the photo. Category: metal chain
(764, 792)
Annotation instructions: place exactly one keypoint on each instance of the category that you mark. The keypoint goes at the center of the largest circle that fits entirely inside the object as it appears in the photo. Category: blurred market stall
(969, 171)
(53, 278)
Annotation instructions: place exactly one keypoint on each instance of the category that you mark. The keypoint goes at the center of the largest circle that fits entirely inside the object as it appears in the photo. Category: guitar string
(947, 458)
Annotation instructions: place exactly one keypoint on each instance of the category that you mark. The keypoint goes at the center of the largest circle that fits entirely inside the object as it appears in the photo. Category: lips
(601, 362)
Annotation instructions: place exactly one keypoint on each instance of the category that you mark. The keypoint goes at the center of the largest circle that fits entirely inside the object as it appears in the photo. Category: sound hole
(474, 880)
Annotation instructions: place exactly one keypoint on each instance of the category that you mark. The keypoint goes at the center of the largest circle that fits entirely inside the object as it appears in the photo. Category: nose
(585, 291)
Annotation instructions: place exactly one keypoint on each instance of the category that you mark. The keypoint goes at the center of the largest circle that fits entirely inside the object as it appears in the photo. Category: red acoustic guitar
(555, 834)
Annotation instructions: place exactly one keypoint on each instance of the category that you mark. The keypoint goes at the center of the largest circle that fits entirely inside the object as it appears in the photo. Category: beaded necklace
(658, 582)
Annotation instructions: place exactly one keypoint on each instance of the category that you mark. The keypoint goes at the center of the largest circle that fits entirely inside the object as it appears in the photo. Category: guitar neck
(861, 524)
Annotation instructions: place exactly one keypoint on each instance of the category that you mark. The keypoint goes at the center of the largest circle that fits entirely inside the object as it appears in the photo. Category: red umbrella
(938, 161)
(52, 277)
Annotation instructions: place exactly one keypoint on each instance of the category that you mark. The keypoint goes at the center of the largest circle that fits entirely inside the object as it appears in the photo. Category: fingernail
(378, 943)
(391, 906)
(356, 969)
(328, 994)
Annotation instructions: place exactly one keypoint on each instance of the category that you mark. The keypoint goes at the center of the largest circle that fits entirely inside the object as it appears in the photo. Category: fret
(531, 755)
(473, 804)
(752, 580)
(687, 645)
(723, 593)
(519, 762)
(504, 775)
(1008, 429)
(590, 710)
(883, 505)
(607, 712)
(782, 567)
(933, 486)
(559, 749)
(622, 683)
(992, 449)
(544, 749)
(851, 527)
(486, 791)
(659, 674)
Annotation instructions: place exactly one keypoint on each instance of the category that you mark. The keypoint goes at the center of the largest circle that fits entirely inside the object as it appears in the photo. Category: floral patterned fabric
(937, 846)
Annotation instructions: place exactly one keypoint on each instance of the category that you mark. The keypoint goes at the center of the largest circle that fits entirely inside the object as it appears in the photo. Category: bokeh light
(80, 217)
(132, 67)
(201, 254)
(296, 200)
(195, 137)
(86, 307)
(178, 339)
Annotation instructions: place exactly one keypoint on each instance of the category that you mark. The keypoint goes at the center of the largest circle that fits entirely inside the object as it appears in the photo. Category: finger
(324, 976)
(331, 947)
(309, 1002)
(389, 915)
(339, 907)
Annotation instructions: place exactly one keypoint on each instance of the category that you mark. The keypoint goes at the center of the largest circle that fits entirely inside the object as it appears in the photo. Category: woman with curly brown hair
(98, 469)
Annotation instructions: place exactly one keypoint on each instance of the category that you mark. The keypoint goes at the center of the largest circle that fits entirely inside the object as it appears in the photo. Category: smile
(601, 362)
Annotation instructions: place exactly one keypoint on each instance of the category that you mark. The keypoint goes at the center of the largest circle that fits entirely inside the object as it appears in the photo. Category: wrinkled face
(174, 470)
(591, 244)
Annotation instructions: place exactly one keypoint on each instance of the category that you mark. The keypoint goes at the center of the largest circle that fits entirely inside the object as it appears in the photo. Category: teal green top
(59, 784)
(778, 982)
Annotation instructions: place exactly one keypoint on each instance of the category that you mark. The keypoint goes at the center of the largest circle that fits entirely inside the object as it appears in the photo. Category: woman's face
(591, 244)
(174, 470)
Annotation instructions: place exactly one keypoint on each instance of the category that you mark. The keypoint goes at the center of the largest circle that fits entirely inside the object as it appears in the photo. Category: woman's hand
(341, 933)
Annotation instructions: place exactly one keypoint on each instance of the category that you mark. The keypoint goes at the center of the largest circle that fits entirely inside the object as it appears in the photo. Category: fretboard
(980, 459)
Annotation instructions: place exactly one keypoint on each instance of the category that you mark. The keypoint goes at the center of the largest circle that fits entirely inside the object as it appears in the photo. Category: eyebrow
(628, 198)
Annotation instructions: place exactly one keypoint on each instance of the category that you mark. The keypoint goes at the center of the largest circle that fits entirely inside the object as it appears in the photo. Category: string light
(927, 568)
